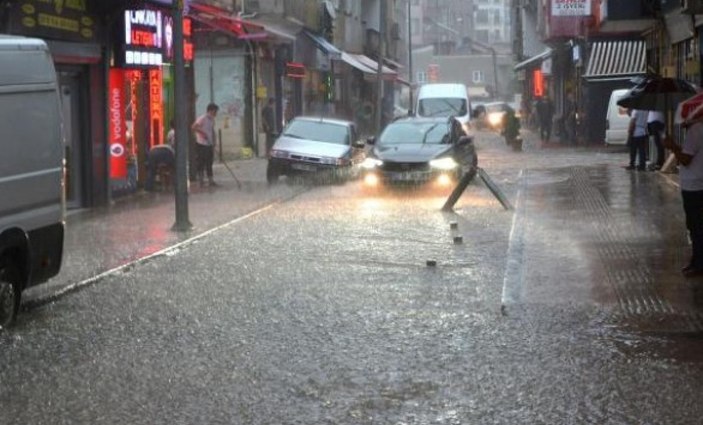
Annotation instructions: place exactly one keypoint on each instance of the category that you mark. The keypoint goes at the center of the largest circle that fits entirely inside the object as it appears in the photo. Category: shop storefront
(140, 92)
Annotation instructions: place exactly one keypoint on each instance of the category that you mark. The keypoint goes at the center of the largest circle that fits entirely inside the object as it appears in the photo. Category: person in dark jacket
(268, 122)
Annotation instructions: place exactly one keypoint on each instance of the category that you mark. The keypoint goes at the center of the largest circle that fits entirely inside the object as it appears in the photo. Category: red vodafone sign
(116, 125)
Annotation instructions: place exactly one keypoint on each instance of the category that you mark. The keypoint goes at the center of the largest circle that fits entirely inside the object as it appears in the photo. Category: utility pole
(181, 100)
(410, 57)
(379, 75)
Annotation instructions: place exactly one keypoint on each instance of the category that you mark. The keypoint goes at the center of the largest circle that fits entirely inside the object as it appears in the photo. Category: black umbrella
(655, 93)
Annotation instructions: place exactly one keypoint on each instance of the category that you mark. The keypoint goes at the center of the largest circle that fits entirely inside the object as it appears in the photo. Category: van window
(442, 107)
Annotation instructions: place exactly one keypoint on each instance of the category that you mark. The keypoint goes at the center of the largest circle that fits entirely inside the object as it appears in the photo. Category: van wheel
(9, 294)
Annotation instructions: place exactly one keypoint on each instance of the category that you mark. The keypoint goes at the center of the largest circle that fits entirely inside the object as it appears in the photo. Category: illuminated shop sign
(156, 109)
(116, 125)
(147, 39)
(63, 20)
(295, 70)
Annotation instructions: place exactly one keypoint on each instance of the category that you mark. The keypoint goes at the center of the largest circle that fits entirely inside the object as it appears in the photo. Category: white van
(616, 120)
(31, 171)
(444, 100)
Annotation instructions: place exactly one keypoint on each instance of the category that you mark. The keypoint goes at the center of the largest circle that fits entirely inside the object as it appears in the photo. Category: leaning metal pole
(181, 101)
(411, 106)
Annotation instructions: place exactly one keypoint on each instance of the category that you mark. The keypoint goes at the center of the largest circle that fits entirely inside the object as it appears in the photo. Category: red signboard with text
(538, 82)
(156, 109)
(117, 131)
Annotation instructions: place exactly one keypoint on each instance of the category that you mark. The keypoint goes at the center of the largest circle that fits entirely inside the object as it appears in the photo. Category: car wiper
(293, 136)
(432, 127)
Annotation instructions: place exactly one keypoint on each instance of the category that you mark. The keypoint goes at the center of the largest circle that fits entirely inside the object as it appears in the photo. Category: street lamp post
(181, 136)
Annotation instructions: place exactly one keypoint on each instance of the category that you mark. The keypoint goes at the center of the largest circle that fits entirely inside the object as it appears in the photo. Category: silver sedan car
(316, 146)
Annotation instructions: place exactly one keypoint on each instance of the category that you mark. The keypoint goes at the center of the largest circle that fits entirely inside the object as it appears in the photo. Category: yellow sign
(261, 92)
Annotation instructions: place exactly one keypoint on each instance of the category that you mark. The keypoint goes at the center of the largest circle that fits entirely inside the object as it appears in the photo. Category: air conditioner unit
(692, 7)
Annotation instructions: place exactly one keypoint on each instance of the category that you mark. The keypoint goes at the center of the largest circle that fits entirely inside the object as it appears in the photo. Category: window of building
(416, 26)
(482, 17)
(421, 77)
(477, 76)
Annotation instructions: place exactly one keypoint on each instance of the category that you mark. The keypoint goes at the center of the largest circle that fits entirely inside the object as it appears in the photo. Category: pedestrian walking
(637, 139)
(159, 157)
(655, 129)
(690, 157)
(268, 122)
(204, 128)
(545, 114)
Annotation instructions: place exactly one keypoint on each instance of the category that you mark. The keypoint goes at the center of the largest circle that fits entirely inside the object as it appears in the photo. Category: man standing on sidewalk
(690, 157)
(637, 139)
(655, 128)
(268, 122)
(204, 128)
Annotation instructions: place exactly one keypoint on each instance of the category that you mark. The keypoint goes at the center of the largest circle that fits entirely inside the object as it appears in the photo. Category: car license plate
(407, 176)
(303, 167)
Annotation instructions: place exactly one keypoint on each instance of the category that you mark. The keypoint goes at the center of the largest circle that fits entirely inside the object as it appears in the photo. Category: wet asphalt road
(321, 310)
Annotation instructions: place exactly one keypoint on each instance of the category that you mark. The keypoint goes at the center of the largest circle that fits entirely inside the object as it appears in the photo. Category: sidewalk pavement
(137, 226)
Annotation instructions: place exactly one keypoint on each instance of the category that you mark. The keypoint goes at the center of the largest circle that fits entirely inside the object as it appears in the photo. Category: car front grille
(405, 166)
(304, 158)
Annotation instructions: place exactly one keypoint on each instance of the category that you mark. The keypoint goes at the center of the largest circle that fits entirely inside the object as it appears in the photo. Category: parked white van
(616, 120)
(31, 171)
(444, 100)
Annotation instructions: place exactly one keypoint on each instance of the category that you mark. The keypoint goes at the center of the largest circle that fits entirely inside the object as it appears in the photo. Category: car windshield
(401, 133)
(319, 131)
(496, 107)
(442, 107)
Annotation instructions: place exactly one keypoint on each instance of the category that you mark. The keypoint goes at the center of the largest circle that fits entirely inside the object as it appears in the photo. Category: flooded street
(323, 309)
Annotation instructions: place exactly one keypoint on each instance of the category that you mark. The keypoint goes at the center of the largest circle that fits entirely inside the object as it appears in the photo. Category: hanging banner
(156, 109)
(571, 7)
(116, 125)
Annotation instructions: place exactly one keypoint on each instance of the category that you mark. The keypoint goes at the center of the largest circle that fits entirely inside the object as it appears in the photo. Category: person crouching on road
(204, 128)
(162, 155)
(690, 157)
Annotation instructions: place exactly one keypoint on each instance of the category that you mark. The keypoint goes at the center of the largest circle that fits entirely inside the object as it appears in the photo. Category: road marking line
(514, 278)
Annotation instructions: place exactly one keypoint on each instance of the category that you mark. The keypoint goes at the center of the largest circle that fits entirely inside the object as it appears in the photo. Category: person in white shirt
(655, 128)
(204, 128)
(690, 157)
(637, 139)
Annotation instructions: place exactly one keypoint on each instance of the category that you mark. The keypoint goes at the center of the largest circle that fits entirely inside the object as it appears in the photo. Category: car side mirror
(371, 140)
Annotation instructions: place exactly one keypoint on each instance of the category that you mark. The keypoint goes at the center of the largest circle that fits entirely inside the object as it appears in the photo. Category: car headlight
(371, 163)
(275, 153)
(444, 164)
(495, 118)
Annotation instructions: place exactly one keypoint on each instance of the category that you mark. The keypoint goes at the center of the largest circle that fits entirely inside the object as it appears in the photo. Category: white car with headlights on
(419, 151)
(315, 146)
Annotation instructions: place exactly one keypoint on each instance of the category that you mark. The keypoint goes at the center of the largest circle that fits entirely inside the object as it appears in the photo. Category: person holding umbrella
(690, 157)
(637, 139)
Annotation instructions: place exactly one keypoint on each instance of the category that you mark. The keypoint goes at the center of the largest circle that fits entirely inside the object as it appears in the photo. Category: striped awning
(616, 60)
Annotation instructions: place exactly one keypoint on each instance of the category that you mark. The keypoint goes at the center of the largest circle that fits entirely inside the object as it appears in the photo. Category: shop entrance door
(70, 89)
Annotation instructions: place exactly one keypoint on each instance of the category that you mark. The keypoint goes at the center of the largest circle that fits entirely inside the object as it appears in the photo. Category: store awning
(534, 60)
(325, 46)
(225, 21)
(277, 30)
(616, 60)
(351, 59)
(368, 66)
